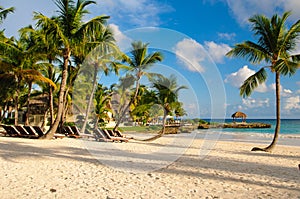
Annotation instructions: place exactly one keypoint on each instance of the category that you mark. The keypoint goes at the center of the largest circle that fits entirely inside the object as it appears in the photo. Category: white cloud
(283, 91)
(122, 40)
(255, 103)
(217, 51)
(287, 91)
(236, 79)
(240, 8)
(292, 103)
(227, 36)
(191, 54)
(134, 12)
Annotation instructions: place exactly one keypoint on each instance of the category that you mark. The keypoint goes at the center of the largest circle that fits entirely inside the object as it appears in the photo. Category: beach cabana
(239, 115)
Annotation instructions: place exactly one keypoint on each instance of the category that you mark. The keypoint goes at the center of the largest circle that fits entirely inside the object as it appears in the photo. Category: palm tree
(138, 63)
(46, 46)
(274, 47)
(68, 29)
(18, 63)
(4, 12)
(167, 91)
(35, 45)
(102, 103)
(100, 58)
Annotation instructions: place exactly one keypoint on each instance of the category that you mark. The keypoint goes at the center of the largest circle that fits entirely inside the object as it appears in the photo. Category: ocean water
(287, 126)
(289, 132)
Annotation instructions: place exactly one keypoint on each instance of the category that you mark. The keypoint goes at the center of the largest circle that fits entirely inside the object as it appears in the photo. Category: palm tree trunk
(17, 103)
(128, 105)
(277, 128)
(44, 119)
(88, 109)
(162, 131)
(28, 105)
(51, 107)
(60, 109)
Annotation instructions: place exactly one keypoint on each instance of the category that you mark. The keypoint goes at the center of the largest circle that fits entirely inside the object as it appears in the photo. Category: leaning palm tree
(102, 51)
(274, 47)
(68, 29)
(167, 93)
(138, 64)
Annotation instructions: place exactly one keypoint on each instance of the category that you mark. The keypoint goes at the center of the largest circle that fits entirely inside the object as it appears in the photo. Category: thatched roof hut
(239, 115)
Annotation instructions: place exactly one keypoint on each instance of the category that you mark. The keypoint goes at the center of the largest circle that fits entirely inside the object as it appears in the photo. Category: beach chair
(70, 133)
(114, 138)
(11, 131)
(31, 131)
(25, 133)
(76, 131)
(100, 136)
(120, 134)
(40, 131)
(112, 133)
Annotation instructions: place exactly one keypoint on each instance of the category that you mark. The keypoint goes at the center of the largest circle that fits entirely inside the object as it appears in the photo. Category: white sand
(70, 168)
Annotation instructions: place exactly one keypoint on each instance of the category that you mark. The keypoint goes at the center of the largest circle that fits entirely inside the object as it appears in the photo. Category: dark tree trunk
(277, 128)
(28, 105)
(51, 106)
(17, 104)
(60, 109)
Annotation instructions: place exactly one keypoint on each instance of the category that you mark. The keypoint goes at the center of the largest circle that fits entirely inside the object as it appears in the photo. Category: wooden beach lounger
(40, 131)
(70, 133)
(11, 131)
(76, 131)
(112, 137)
(100, 136)
(117, 133)
(26, 133)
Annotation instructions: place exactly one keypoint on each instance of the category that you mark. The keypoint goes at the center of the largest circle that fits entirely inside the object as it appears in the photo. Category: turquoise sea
(287, 126)
(289, 132)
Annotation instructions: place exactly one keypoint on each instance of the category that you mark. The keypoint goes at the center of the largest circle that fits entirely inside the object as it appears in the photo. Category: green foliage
(274, 45)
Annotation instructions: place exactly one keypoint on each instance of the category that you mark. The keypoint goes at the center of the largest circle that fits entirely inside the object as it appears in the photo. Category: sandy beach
(165, 168)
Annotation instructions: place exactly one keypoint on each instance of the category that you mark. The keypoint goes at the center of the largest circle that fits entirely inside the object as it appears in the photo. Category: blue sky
(194, 37)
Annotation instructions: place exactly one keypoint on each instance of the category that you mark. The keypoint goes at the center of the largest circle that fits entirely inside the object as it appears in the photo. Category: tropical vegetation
(274, 48)
(47, 60)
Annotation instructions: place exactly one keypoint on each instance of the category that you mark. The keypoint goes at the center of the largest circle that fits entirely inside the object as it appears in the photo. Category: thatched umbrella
(239, 115)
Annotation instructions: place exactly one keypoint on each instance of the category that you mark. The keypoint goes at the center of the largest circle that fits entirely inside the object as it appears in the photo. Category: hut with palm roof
(239, 115)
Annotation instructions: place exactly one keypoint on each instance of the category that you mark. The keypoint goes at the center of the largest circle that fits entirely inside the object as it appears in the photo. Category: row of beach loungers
(106, 135)
(26, 131)
(68, 131)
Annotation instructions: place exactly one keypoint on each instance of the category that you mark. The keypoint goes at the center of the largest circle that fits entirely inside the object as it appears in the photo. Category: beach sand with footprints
(74, 168)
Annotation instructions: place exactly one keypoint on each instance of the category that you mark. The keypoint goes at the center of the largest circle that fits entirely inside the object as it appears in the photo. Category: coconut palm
(274, 47)
(102, 51)
(36, 45)
(138, 64)
(4, 12)
(18, 64)
(69, 29)
(102, 103)
(167, 92)
(46, 46)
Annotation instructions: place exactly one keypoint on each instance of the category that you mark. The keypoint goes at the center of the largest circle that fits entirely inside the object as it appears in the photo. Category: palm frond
(5, 12)
(252, 82)
(286, 67)
(251, 51)
(289, 39)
